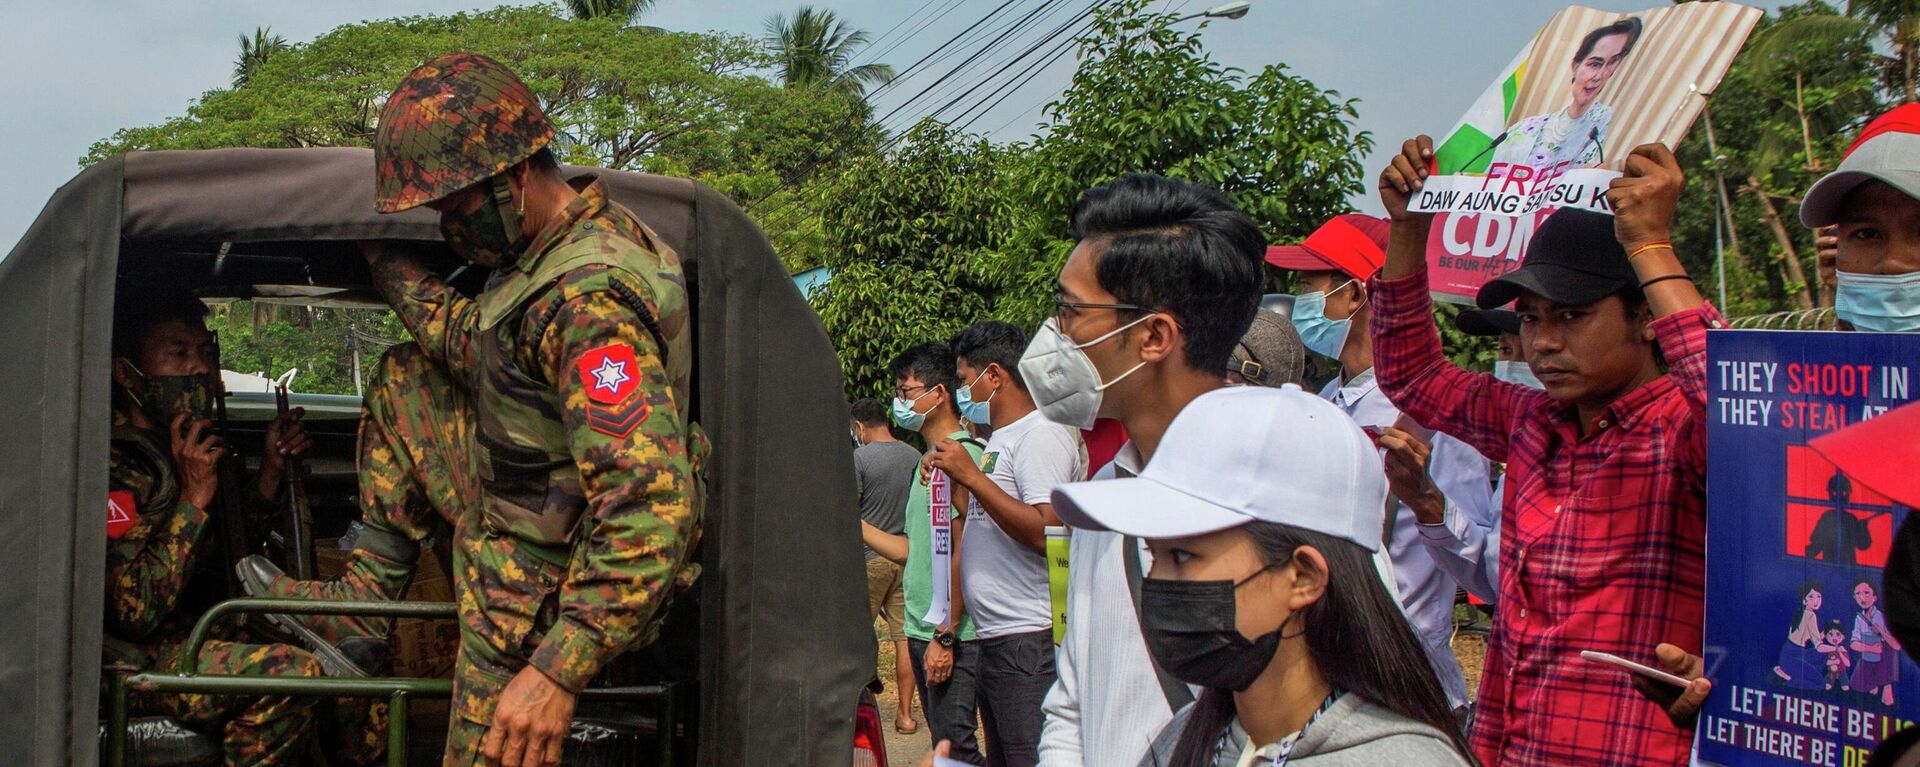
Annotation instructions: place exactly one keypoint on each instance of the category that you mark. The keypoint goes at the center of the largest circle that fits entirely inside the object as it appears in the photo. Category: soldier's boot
(347, 645)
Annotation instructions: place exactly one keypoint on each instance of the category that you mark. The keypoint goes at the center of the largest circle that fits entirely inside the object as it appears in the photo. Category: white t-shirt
(1006, 582)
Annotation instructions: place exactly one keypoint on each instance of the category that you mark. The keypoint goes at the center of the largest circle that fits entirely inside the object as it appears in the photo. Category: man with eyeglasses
(940, 633)
(1164, 280)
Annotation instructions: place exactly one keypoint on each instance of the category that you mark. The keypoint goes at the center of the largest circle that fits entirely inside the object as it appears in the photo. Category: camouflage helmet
(456, 120)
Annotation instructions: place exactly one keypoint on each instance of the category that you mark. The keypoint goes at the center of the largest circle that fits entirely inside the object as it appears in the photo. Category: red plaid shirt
(1602, 537)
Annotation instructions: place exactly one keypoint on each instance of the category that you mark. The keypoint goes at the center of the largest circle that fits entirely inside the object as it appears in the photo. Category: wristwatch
(945, 638)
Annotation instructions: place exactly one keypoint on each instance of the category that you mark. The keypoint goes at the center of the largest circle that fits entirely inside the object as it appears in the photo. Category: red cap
(1352, 243)
(1868, 452)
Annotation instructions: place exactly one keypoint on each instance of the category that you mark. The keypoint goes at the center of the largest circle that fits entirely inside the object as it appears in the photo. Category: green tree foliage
(319, 343)
(622, 11)
(1784, 115)
(254, 52)
(913, 237)
(1149, 98)
(815, 49)
(622, 97)
(949, 229)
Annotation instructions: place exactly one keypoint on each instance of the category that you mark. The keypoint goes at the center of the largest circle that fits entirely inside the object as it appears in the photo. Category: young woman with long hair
(1262, 509)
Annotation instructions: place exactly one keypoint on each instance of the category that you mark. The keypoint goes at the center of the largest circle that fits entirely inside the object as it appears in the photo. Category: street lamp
(1233, 10)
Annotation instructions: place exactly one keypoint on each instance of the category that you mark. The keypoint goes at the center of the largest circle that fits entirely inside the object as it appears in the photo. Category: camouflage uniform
(408, 483)
(154, 541)
(578, 360)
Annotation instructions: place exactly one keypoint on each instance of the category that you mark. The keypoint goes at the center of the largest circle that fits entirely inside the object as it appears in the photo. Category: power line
(793, 209)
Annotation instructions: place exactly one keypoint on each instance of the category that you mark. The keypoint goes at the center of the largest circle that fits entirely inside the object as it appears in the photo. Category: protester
(1606, 520)
(1269, 354)
(884, 467)
(1003, 558)
(1874, 199)
(943, 650)
(1263, 590)
(1332, 314)
(1165, 276)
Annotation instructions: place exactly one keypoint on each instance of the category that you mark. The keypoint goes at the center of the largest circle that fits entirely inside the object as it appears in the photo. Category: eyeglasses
(906, 392)
(1064, 309)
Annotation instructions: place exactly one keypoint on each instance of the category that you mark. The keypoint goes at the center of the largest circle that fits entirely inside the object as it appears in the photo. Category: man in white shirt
(1331, 314)
(1002, 556)
(1165, 278)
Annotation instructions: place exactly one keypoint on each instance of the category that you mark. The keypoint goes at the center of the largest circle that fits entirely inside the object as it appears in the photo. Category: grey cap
(1270, 354)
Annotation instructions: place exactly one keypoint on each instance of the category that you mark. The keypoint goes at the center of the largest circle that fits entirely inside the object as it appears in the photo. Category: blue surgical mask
(1324, 336)
(1515, 372)
(905, 416)
(1880, 303)
(977, 412)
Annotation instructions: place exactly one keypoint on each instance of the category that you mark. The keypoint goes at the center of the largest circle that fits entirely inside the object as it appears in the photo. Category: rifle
(299, 513)
(233, 521)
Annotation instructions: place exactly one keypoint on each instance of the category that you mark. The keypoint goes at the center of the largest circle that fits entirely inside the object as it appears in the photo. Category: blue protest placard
(1804, 670)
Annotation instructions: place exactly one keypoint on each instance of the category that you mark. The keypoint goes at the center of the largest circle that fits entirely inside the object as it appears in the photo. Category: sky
(1413, 65)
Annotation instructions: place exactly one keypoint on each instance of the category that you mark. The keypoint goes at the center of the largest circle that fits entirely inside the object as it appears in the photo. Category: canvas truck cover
(784, 646)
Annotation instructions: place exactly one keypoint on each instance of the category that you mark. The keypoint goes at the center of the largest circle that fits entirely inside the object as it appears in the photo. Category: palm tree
(816, 49)
(254, 52)
(1897, 21)
(623, 11)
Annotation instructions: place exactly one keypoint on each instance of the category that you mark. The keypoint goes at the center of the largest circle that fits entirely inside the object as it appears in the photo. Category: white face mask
(1063, 381)
(1516, 372)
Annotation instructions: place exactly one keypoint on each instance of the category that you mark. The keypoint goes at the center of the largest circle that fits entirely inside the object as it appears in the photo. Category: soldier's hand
(196, 454)
(1404, 176)
(1645, 198)
(287, 438)
(530, 723)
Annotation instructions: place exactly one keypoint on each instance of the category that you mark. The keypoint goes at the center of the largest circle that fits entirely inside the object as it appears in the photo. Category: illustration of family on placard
(1831, 655)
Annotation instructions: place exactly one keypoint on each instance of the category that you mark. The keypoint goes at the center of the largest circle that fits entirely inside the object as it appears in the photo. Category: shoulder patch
(121, 513)
(611, 373)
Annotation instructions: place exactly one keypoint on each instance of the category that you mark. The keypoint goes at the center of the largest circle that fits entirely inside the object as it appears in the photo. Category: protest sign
(1059, 545)
(940, 509)
(1803, 668)
(1554, 128)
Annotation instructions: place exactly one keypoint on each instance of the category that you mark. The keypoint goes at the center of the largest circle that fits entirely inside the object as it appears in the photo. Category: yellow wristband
(1668, 244)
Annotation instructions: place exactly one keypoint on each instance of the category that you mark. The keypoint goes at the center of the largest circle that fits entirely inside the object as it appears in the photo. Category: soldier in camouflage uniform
(162, 481)
(576, 359)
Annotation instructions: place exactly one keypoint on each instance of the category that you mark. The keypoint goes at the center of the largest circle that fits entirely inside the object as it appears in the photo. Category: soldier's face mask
(490, 235)
(164, 397)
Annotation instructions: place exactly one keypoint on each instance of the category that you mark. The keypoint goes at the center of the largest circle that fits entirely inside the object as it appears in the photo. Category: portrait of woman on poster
(1575, 133)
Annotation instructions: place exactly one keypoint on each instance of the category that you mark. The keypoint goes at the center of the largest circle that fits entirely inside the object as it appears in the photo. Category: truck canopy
(784, 645)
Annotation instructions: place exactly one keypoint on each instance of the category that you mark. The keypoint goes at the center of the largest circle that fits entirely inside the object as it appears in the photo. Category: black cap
(1573, 259)
(1487, 322)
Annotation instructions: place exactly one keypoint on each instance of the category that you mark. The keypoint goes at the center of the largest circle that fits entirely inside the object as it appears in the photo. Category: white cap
(1242, 454)
(1888, 151)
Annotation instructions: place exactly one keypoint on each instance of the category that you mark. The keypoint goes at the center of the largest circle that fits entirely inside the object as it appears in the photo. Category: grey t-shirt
(885, 473)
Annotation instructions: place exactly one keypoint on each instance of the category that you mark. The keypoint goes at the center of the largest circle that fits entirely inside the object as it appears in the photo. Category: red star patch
(610, 373)
(121, 513)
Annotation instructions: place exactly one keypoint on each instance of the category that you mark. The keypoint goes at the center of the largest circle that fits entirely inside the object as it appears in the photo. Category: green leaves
(948, 229)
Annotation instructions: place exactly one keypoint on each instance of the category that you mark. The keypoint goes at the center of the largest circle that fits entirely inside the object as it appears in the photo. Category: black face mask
(490, 235)
(1191, 633)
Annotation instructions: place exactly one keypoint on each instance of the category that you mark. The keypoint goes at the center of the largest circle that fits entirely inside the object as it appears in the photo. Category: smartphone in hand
(1636, 668)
